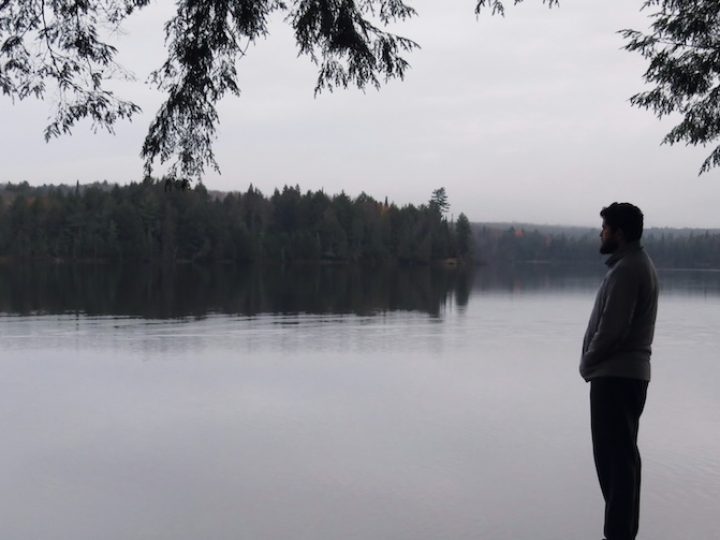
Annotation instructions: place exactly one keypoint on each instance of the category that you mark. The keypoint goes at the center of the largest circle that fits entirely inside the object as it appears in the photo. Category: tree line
(163, 220)
(669, 248)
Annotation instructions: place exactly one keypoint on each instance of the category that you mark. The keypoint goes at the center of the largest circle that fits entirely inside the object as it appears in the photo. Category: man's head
(622, 223)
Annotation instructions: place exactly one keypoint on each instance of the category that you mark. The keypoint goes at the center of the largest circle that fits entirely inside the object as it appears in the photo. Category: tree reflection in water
(159, 292)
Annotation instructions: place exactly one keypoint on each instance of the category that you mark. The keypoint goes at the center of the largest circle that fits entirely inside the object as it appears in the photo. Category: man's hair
(624, 216)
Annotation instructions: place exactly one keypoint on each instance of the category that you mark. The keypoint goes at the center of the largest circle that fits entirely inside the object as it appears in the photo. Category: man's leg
(615, 408)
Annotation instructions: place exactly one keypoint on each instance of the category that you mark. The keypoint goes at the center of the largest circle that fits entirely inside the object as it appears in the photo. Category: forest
(167, 221)
(669, 248)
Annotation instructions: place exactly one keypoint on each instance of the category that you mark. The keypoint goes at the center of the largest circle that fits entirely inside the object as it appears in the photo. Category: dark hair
(624, 216)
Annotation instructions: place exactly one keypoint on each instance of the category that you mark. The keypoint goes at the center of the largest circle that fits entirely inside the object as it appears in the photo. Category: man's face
(608, 239)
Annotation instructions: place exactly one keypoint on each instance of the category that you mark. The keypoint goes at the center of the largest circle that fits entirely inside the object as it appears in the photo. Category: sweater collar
(630, 247)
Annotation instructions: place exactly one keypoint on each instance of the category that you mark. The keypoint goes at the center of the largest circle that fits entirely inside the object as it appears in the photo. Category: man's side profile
(616, 362)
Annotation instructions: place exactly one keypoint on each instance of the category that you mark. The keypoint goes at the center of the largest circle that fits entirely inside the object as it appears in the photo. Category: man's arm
(616, 317)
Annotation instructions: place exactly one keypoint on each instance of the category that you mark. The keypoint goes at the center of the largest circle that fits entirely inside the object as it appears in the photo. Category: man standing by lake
(616, 361)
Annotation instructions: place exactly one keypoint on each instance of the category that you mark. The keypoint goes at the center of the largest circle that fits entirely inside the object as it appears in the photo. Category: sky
(524, 118)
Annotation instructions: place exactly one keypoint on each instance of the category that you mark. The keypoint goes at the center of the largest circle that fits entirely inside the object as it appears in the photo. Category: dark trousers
(615, 408)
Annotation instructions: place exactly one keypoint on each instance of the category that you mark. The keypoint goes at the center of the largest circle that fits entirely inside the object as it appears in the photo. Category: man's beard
(608, 246)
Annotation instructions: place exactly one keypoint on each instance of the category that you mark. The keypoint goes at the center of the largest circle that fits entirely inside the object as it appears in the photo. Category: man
(616, 362)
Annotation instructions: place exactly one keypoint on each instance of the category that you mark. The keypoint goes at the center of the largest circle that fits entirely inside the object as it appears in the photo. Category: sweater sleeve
(616, 317)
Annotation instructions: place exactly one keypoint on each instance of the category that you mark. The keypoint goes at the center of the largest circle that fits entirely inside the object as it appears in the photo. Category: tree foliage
(497, 7)
(154, 220)
(439, 201)
(683, 51)
(57, 41)
(464, 234)
(63, 42)
(669, 248)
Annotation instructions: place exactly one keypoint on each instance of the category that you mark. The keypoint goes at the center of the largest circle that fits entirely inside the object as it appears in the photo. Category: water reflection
(585, 278)
(311, 426)
(518, 278)
(155, 292)
(188, 290)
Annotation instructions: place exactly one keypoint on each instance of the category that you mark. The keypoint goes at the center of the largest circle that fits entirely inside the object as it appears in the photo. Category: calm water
(328, 404)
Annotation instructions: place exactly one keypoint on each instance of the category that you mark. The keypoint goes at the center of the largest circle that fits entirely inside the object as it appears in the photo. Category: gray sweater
(622, 323)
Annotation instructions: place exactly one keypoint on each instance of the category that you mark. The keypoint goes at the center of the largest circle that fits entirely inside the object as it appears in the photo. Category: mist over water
(325, 403)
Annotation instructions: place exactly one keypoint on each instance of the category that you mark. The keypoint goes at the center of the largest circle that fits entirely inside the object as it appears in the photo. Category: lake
(334, 403)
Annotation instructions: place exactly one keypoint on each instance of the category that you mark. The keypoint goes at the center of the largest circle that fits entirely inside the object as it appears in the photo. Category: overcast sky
(522, 118)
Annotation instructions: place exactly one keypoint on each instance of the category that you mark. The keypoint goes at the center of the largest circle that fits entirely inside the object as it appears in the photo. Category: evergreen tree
(439, 201)
(463, 233)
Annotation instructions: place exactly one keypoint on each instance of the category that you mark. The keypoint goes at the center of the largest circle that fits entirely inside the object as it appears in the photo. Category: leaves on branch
(497, 7)
(683, 50)
(347, 46)
(59, 41)
(203, 42)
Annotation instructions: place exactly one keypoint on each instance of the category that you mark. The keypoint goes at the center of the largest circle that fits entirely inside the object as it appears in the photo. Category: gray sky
(522, 118)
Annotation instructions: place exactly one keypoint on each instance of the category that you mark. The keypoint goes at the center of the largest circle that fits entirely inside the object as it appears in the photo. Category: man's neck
(623, 248)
